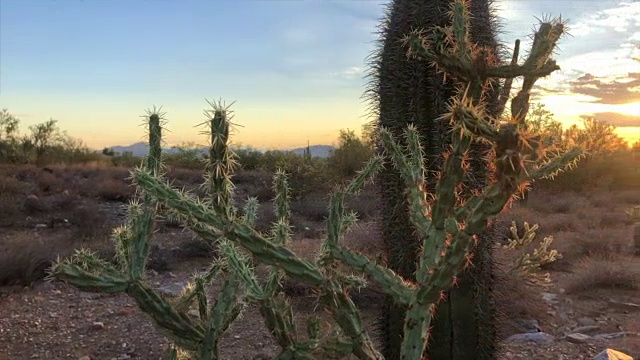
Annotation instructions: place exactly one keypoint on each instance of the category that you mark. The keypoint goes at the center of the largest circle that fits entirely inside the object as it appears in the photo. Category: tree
(9, 142)
(540, 121)
(595, 137)
(108, 152)
(43, 137)
(350, 155)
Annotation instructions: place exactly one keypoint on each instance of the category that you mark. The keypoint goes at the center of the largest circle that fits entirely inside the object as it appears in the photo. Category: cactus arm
(278, 317)
(419, 207)
(222, 161)
(557, 164)
(390, 282)
(223, 312)
(89, 280)
(262, 248)
(143, 222)
(505, 91)
(346, 315)
(250, 210)
(185, 299)
(177, 325)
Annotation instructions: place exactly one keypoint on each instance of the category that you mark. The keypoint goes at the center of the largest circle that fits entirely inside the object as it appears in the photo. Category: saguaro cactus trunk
(409, 91)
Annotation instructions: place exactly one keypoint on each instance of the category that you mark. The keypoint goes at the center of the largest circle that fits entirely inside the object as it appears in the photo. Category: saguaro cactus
(445, 223)
(406, 91)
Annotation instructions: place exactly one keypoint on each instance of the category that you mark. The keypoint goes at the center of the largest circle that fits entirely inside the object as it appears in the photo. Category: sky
(294, 68)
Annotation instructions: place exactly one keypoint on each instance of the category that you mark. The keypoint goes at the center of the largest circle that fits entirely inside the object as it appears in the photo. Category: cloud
(350, 73)
(616, 119)
(611, 92)
(604, 43)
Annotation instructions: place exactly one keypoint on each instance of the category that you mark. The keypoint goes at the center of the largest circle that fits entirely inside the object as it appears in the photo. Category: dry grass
(24, 256)
(590, 230)
(602, 272)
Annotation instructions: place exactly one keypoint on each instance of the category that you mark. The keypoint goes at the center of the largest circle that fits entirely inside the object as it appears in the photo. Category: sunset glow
(294, 68)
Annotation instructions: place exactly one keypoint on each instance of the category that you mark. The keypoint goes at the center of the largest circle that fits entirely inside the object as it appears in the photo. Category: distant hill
(141, 149)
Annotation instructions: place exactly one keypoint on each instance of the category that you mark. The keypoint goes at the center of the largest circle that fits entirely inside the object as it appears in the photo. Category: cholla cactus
(527, 264)
(446, 224)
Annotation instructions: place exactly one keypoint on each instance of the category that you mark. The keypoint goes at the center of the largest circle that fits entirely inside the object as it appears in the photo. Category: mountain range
(141, 149)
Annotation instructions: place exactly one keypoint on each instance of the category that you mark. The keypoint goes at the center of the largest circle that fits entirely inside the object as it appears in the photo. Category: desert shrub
(254, 183)
(249, 158)
(602, 272)
(186, 156)
(593, 243)
(126, 160)
(114, 190)
(366, 239)
(612, 220)
(366, 207)
(313, 208)
(11, 209)
(350, 155)
(50, 183)
(184, 176)
(88, 221)
(609, 171)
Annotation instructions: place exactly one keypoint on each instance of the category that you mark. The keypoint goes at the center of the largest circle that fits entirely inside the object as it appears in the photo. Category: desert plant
(409, 90)
(529, 265)
(447, 226)
(351, 153)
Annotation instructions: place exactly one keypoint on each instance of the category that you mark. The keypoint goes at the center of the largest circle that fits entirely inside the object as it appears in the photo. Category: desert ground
(591, 303)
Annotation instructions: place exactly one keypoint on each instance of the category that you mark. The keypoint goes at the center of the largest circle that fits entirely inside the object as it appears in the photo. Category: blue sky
(293, 67)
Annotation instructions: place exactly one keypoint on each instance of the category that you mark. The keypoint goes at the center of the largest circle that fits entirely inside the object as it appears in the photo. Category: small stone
(610, 354)
(527, 325)
(614, 335)
(97, 325)
(539, 338)
(625, 305)
(589, 329)
(194, 313)
(578, 338)
(84, 358)
(585, 321)
(550, 298)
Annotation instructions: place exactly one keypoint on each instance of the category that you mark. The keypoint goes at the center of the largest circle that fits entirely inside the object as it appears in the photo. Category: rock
(578, 338)
(589, 329)
(550, 298)
(194, 313)
(610, 354)
(625, 305)
(97, 325)
(539, 338)
(615, 335)
(33, 204)
(527, 325)
(585, 321)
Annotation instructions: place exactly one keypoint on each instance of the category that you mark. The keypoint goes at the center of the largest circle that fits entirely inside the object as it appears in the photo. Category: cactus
(529, 265)
(408, 91)
(446, 225)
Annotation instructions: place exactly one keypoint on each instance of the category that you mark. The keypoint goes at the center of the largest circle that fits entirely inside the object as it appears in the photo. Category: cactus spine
(409, 91)
(445, 225)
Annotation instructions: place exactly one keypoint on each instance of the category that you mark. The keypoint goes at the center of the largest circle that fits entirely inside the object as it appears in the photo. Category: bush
(352, 153)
